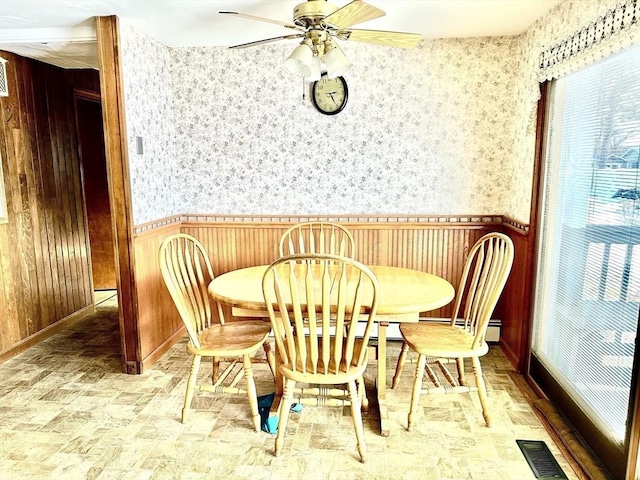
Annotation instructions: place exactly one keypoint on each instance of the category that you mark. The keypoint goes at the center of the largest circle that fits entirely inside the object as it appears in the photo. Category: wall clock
(330, 94)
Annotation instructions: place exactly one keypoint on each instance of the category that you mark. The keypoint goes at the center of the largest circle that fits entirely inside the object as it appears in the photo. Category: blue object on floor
(270, 424)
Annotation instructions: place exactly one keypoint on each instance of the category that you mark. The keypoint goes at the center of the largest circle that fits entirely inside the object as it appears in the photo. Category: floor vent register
(541, 460)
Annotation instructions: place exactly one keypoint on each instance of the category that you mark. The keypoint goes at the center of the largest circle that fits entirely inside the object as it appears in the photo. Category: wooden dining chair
(186, 270)
(439, 344)
(315, 302)
(317, 237)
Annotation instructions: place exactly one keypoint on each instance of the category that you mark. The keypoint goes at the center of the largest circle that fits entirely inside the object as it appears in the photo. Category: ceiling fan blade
(381, 37)
(262, 19)
(268, 40)
(352, 14)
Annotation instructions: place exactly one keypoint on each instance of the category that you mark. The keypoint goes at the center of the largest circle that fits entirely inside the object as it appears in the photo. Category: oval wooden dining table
(403, 294)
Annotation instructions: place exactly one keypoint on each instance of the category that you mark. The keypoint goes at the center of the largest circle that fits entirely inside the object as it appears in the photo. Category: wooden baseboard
(583, 463)
(46, 333)
(162, 349)
(564, 435)
(509, 353)
(532, 398)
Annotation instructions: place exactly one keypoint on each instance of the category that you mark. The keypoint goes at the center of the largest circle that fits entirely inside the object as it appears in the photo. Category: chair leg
(285, 406)
(356, 416)
(362, 394)
(271, 358)
(460, 365)
(215, 369)
(191, 383)
(251, 392)
(482, 392)
(417, 388)
(400, 365)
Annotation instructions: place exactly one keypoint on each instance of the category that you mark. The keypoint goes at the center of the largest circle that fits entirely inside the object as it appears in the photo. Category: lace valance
(618, 28)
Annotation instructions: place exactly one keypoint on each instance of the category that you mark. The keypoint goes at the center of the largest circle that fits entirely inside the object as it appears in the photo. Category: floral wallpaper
(447, 128)
(149, 115)
(427, 130)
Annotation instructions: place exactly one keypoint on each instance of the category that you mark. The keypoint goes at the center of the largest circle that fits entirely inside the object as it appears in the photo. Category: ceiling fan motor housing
(312, 12)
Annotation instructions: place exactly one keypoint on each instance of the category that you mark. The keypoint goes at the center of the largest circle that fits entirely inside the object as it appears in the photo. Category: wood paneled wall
(45, 272)
(437, 245)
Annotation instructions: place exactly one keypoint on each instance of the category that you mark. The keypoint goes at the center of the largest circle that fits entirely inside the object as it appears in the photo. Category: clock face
(330, 94)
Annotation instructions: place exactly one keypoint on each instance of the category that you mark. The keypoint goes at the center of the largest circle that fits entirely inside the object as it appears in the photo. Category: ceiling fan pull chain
(303, 91)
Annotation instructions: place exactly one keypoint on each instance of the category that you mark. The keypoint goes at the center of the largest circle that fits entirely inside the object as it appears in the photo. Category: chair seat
(330, 378)
(441, 340)
(231, 339)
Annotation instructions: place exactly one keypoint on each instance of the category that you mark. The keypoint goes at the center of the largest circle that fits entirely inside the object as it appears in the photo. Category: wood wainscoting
(158, 321)
(435, 244)
(515, 303)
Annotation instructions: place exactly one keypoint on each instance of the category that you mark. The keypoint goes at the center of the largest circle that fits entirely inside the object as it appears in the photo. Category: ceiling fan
(319, 23)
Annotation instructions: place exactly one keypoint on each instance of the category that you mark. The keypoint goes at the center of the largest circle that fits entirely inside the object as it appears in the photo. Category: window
(588, 280)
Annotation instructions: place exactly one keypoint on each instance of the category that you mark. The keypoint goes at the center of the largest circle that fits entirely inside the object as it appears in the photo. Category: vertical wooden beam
(115, 137)
(534, 219)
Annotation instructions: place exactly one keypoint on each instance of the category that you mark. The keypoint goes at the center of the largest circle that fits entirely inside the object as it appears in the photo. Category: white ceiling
(62, 32)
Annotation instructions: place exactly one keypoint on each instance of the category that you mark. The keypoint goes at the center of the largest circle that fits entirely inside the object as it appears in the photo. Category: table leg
(381, 381)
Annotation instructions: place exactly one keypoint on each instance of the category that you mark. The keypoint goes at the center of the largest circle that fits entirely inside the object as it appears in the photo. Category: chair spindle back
(317, 237)
(484, 276)
(186, 270)
(314, 303)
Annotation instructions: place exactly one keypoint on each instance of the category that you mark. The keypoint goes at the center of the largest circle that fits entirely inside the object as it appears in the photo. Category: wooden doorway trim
(115, 139)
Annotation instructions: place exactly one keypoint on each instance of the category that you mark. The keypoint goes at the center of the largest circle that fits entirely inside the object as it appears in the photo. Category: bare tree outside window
(616, 153)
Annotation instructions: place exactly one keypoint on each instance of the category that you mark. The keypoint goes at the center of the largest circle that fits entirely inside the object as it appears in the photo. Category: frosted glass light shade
(299, 62)
(336, 61)
(315, 70)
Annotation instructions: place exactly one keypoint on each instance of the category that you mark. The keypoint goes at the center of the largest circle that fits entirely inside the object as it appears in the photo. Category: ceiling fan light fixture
(300, 60)
(335, 60)
(320, 23)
